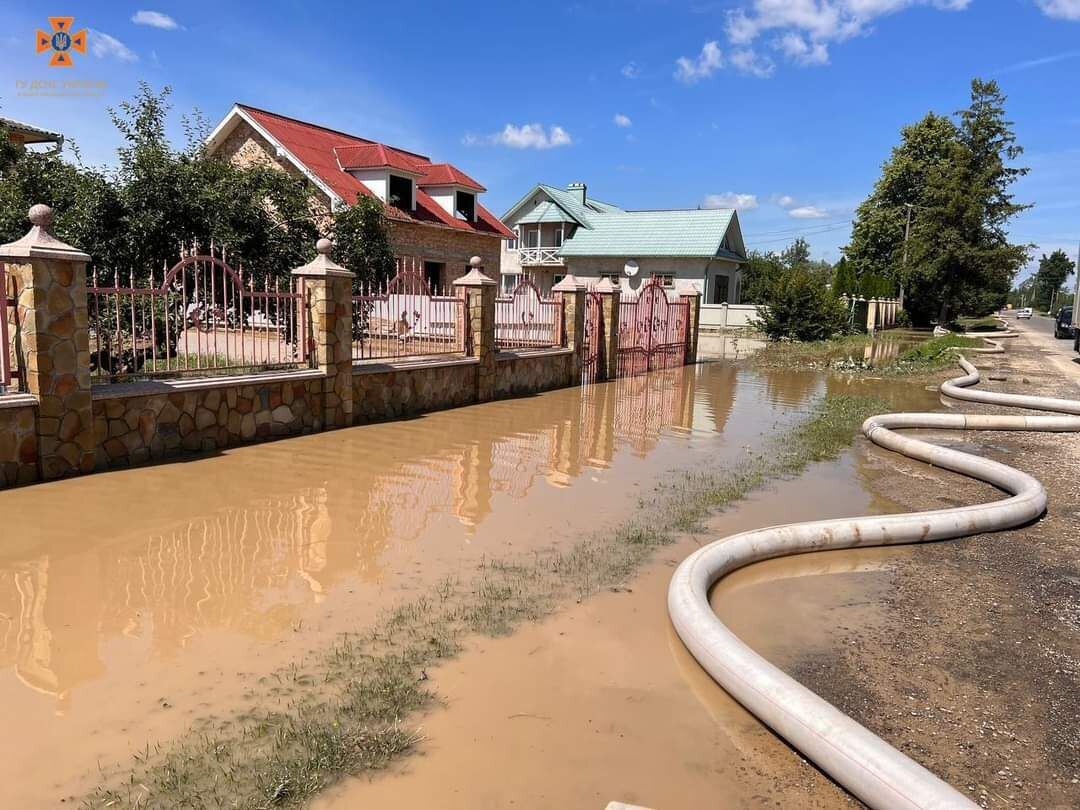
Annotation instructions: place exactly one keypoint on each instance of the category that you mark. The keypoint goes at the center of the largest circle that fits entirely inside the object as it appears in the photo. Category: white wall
(727, 316)
(376, 180)
(688, 273)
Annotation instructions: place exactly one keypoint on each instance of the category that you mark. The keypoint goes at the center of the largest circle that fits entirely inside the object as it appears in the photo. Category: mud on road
(973, 669)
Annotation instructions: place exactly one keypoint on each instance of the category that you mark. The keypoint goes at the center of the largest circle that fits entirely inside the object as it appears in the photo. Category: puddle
(134, 602)
(577, 711)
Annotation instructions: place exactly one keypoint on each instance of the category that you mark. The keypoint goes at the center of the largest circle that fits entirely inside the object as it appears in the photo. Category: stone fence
(870, 315)
(61, 425)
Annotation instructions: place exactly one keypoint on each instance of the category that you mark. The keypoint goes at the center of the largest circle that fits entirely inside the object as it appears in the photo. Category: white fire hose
(857, 759)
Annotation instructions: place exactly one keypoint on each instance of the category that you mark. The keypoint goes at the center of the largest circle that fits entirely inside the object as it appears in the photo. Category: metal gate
(594, 338)
(652, 330)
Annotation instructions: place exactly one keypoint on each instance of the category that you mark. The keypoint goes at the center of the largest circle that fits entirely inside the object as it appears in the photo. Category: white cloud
(623, 120)
(808, 212)
(805, 28)
(526, 136)
(631, 70)
(704, 65)
(785, 201)
(1060, 9)
(155, 19)
(731, 199)
(750, 62)
(104, 46)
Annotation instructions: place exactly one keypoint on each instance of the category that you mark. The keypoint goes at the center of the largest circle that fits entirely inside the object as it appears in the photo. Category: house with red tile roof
(433, 209)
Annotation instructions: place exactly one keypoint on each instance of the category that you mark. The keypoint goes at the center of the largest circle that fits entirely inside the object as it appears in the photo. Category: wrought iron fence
(409, 316)
(203, 319)
(9, 370)
(526, 320)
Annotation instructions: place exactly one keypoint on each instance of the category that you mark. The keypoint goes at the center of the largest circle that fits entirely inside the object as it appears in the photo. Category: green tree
(761, 272)
(957, 176)
(843, 281)
(1051, 275)
(136, 216)
(800, 306)
(362, 241)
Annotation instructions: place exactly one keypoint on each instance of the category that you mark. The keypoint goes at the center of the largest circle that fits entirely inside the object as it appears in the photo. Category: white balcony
(533, 256)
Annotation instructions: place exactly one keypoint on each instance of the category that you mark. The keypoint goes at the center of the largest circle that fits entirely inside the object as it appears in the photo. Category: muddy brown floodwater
(134, 602)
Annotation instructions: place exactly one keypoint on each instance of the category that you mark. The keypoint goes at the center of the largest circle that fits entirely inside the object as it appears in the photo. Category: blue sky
(787, 108)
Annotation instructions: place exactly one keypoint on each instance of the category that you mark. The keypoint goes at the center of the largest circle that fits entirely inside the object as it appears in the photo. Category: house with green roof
(565, 231)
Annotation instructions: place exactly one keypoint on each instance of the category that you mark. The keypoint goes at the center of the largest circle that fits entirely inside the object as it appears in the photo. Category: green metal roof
(632, 234)
(545, 212)
(570, 202)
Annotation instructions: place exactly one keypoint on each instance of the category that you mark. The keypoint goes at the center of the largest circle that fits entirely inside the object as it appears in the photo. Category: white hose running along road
(857, 759)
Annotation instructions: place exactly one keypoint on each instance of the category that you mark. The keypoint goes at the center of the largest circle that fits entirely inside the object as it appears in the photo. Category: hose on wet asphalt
(857, 759)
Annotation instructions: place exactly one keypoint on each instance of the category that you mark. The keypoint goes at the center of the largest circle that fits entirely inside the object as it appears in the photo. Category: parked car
(1063, 327)
(1023, 313)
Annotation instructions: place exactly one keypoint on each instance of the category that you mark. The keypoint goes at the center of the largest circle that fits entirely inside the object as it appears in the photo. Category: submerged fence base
(863, 763)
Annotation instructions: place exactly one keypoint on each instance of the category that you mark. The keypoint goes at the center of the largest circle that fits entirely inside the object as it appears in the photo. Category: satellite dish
(630, 268)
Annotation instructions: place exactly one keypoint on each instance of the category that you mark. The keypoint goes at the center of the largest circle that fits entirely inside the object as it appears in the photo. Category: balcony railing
(539, 255)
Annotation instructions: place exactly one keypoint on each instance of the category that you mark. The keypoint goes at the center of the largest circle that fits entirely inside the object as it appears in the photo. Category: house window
(555, 279)
(401, 192)
(465, 205)
(614, 278)
(720, 289)
(665, 279)
(509, 283)
(559, 237)
(511, 244)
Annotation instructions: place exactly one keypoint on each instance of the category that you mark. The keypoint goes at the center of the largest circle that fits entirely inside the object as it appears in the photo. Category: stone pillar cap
(569, 284)
(693, 291)
(605, 286)
(39, 243)
(322, 266)
(475, 277)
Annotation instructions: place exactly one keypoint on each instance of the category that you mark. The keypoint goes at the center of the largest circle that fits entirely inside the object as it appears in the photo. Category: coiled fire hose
(857, 759)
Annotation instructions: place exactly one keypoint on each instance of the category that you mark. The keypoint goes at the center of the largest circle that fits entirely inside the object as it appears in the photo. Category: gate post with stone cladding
(55, 344)
(326, 300)
(609, 314)
(478, 290)
(572, 293)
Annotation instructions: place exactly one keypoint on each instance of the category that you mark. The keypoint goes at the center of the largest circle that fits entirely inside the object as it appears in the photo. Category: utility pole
(903, 268)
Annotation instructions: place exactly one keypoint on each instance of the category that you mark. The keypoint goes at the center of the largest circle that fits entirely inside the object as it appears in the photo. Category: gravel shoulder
(976, 671)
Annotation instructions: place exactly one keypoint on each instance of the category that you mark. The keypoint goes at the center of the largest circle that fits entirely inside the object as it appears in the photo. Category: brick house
(433, 209)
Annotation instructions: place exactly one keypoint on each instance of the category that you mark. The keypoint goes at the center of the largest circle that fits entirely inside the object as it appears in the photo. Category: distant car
(1023, 313)
(1063, 327)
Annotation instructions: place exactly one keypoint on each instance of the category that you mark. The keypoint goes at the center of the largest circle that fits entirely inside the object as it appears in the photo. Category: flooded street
(189, 582)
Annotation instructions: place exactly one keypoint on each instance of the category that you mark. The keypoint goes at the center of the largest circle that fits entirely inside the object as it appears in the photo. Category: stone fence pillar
(693, 323)
(608, 361)
(572, 292)
(54, 344)
(478, 291)
(326, 289)
(872, 316)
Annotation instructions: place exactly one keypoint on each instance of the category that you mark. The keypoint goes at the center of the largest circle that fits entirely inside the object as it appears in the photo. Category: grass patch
(933, 354)
(987, 324)
(349, 709)
(816, 355)
(847, 355)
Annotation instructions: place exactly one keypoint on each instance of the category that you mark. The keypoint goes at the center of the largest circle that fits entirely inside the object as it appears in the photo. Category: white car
(1023, 313)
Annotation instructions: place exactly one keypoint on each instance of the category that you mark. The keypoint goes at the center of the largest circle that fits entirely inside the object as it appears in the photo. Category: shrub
(799, 306)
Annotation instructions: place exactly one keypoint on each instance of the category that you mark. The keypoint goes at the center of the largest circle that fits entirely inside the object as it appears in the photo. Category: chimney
(577, 188)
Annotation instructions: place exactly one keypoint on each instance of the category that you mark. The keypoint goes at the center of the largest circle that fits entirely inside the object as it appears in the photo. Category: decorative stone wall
(140, 422)
(519, 374)
(18, 441)
(382, 392)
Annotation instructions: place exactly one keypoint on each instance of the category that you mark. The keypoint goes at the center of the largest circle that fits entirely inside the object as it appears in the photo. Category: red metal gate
(652, 330)
(594, 338)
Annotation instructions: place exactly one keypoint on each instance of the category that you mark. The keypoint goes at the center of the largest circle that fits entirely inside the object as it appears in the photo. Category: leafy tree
(800, 306)
(362, 241)
(761, 272)
(957, 178)
(135, 216)
(1051, 275)
(843, 281)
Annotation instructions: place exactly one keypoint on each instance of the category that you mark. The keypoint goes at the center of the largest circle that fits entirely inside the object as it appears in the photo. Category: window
(433, 273)
(614, 278)
(400, 193)
(511, 244)
(559, 237)
(665, 279)
(465, 205)
(720, 289)
(509, 283)
(555, 279)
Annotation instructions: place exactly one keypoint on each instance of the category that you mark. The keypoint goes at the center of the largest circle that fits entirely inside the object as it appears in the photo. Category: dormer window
(400, 192)
(465, 205)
